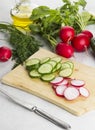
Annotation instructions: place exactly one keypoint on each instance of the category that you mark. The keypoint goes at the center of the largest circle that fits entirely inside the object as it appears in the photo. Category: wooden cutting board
(19, 78)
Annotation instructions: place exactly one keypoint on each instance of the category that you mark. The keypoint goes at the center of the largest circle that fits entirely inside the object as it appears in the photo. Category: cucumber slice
(32, 64)
(44, 60)
(45, 68)
(66, 72)
(58, 67)
(34, 73)
(48, 77)
(71, 64)
(65, 65)
(57, 59)
(53, 63)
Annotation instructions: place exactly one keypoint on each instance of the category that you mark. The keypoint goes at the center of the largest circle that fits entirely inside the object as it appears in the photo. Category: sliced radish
(71, 93)
(77, 83)
(57, 80)
(64, 82)
(60, 90)
(84, 91)
(54, 86)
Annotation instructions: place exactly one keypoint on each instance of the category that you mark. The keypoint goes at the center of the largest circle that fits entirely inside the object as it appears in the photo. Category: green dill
(23, 43)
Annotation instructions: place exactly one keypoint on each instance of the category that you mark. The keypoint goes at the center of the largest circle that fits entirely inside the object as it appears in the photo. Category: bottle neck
(23, 8)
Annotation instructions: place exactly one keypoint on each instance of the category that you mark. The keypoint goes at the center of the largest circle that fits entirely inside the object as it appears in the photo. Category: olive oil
(21, 13)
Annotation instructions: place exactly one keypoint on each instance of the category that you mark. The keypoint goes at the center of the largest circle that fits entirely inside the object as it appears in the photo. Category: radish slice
(60, 90)
(77, 83)
(71, 93)
(64, 82)
(57, 80)
(84, 91)
(54, 86)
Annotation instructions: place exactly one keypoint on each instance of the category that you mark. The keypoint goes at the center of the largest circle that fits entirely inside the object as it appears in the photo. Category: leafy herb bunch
(23, 43)
(47, 22)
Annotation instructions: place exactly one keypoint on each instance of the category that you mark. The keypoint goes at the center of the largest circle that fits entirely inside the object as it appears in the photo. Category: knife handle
(51, 118)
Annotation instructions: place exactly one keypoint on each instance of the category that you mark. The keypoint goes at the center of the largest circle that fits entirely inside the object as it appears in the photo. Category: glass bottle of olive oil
(21, 13)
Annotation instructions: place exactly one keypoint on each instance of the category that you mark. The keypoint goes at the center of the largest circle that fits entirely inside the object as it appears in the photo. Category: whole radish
(88, 33)
(67, 33)
(81, 42)
(5, 53)
(65, 50)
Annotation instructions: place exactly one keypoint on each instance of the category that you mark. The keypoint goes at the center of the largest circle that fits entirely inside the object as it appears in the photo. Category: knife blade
(37, 110)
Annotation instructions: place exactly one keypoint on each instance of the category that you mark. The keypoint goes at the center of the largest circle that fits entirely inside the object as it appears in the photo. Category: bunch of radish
(70, 41)
(5, 53)
(69, 88)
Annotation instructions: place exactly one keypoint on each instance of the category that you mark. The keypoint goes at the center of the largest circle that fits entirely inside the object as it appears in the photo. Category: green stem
(52, 40)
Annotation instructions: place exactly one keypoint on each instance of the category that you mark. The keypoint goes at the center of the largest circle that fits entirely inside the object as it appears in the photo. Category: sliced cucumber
(44, 60)
(34, 73)
(48, 77)
(53, 63)
(70, 63)
(58, 67)
(66, 72)
(32, 64)
(45, 68)
(57, 59)
(48, 68)
(65, 65)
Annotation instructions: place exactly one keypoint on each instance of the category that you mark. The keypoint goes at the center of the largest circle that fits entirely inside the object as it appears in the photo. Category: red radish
(84, 91)
(81, 42)
(88, 33)
(5, 53)
(60, 90)
(64, 50)
(66, 33)
(77, 83)
(57, 80)
(71, 93)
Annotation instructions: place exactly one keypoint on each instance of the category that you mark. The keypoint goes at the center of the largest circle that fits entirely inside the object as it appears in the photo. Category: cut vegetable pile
(57, 73)
(48, 68)
(69, 88)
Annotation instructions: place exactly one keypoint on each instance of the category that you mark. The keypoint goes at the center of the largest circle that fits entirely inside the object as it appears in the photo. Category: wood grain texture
(19, 78)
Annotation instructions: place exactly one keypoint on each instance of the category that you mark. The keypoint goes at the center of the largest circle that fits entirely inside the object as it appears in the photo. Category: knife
(38, 111)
